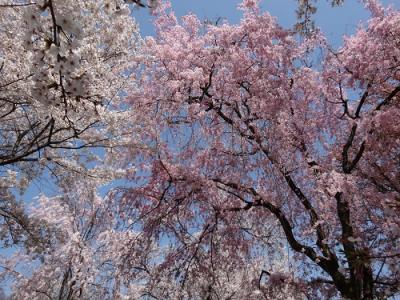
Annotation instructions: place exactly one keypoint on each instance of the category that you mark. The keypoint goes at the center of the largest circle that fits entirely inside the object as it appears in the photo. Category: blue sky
(334, 22)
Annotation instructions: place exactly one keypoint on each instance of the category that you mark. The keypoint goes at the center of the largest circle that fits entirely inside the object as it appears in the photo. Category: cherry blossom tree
(262, 140)
(65, 67)
(63, 71)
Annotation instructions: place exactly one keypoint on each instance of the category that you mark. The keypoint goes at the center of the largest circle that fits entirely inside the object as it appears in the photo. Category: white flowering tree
(64, 66)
